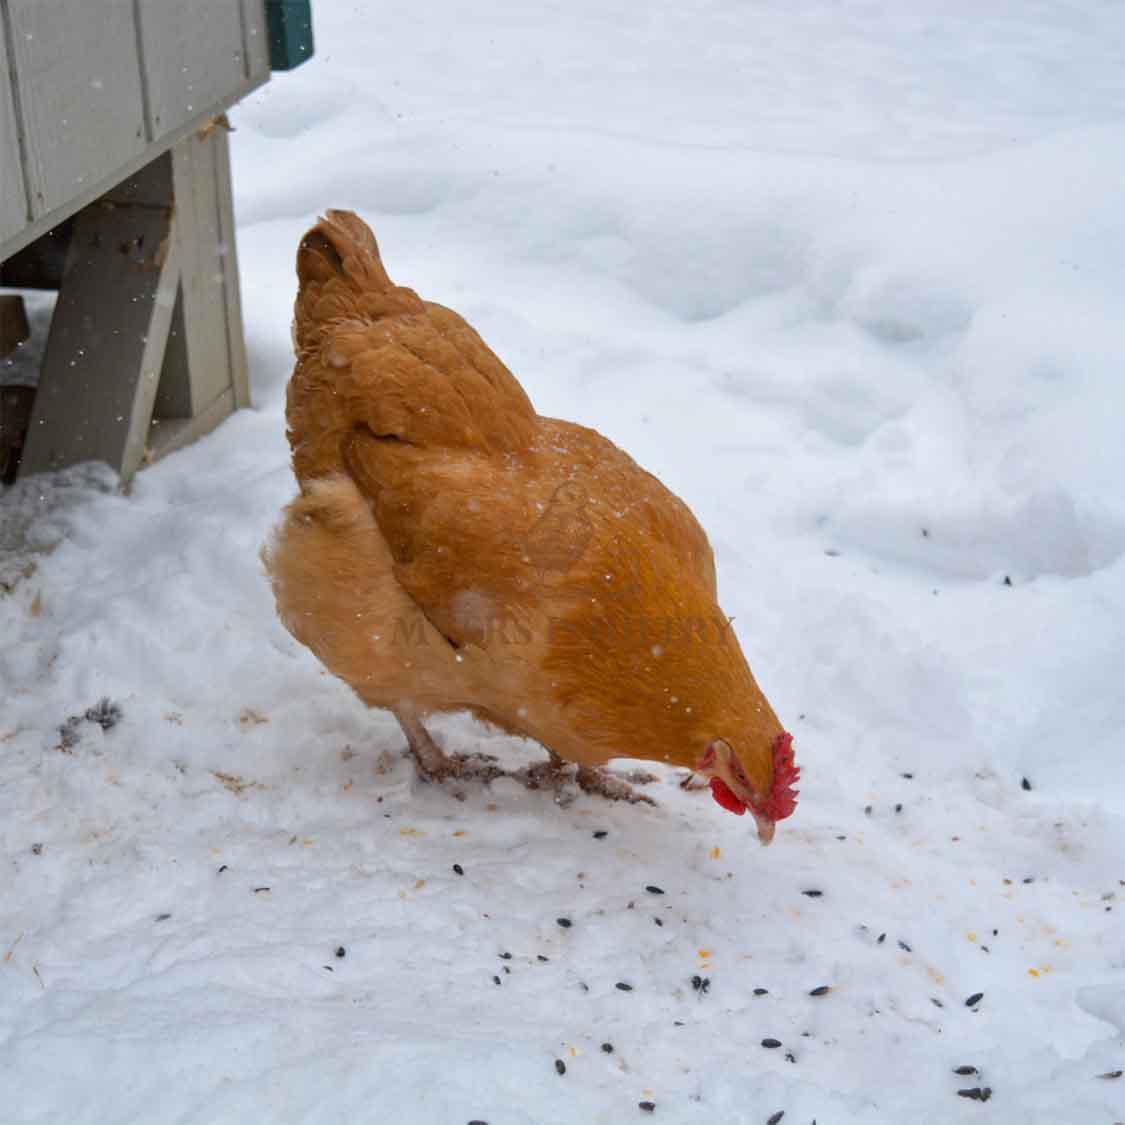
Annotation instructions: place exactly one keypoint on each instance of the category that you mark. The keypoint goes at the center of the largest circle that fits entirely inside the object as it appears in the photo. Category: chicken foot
(434, 764)
(557, 774)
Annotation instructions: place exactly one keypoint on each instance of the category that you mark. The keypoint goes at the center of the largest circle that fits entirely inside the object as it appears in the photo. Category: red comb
(782, 800)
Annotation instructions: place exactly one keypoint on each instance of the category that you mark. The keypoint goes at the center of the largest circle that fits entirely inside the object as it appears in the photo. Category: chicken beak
(766, 830)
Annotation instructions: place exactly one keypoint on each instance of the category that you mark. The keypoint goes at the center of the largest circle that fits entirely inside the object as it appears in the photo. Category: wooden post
(145, 351)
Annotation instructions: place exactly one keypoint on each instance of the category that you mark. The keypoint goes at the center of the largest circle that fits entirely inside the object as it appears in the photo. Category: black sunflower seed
(341, 951)
(653, 890)
(601, 834)
(458, 869)
(965, 1070)
(771, 1043)
(624, 987)
(648, 1107)
(774, 1118)
(608, 1048)
(1112, 1074)
(761, 991)
(821, 990)
(975, 999)
(560, 1066)
(813, 894)
(566, 923)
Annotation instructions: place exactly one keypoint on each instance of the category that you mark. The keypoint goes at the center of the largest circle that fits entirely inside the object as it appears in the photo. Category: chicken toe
(434, 764)
(595, 779)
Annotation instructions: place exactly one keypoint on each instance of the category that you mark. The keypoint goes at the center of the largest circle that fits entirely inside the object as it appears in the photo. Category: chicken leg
(435, 765)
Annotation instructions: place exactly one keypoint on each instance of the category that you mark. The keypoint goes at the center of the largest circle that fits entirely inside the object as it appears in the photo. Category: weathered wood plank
(228, 255)
(79, 93)
(13, 200)
(205, 237)
(107, 339)
(192, 56)
(256, 41)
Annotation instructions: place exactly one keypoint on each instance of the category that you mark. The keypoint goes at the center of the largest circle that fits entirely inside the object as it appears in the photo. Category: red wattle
(722, 793)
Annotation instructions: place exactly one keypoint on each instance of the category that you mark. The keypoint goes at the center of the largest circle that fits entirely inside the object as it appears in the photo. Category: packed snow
(848, 277)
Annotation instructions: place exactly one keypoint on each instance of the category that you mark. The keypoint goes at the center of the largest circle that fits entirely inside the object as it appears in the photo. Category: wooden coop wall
(93, 90)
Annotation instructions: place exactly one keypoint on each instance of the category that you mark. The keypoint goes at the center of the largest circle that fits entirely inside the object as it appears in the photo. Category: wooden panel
(106, 343)
(193, 57)
(79, 92)
(256, 39)
(13, 203)
(205, 237)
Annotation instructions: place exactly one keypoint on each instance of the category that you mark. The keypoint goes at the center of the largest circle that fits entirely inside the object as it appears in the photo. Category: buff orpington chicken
(450, 549)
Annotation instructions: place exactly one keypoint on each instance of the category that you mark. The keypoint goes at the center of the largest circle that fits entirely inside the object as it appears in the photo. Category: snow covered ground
(849, 278)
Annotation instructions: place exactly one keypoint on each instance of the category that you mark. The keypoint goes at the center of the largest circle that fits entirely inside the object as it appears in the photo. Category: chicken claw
(595, 779)
(434, 764)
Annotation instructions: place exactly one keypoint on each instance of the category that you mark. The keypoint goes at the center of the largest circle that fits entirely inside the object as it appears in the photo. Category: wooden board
(255, 40)
(79, 89)
(192, 55)
(107, 339)
(13, 201)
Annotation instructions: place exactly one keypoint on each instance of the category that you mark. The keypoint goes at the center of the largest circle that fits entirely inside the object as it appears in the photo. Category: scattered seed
(790, 1057)
(677, 1023)
(505, 956)
(812, 894)
(542, 958)
(1007, 579)
(761, 991)
(495, 980)
(904, 947)
(222, 869)
(936, 1002)
(774, 1118)
(867, 810)
(601, 834)
(162, 917)
(908, 776)
(880, 939)
(260, 890)
(1112, 1074)
(608, 1048)
(560, 1066)
(1025, 785)
(624, 987)
(697, 982)
(898, 808)
(821, 990)
(653, 890)
(458, 869)
(658, 921)
(771, 1043)
(36, 849)
(974, 1092)
(104, 713)
(648, 1107)
(963, 1070)
(476, 1122)
(974, 1000)
(566, 923)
